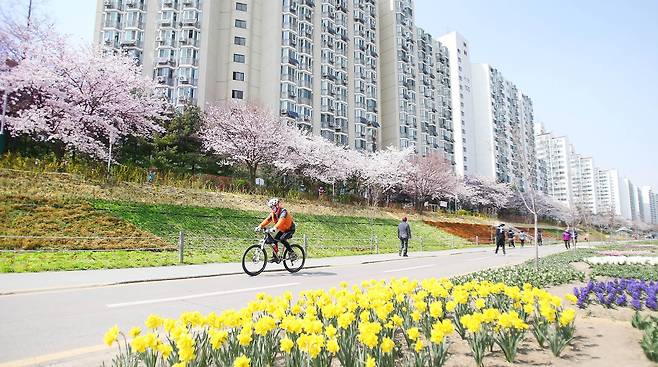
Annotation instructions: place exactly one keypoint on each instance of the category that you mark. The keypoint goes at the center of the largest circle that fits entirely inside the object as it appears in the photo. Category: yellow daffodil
(111, 335)
(286, 345)
(242, 361)
(387, 345)
(332, 346)
(413, 333)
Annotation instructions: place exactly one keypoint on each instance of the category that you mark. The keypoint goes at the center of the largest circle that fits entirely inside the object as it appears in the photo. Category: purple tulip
(636, 304)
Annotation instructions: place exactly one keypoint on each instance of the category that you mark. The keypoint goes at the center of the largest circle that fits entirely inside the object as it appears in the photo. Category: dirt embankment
(479, 233)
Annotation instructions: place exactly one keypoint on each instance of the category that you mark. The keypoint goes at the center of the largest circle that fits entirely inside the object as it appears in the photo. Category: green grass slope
(222, 228)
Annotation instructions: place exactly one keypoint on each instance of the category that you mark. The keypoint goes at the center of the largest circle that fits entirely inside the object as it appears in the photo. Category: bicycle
(256, 256)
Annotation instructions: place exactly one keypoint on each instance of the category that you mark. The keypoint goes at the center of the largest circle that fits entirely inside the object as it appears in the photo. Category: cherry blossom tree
(316, 157)
(247, 134)
(429, 178)
(17, 33)
(85, 99)
(486, 194)
(383, 171)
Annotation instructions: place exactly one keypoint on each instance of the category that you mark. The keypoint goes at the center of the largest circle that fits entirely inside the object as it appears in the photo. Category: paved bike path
(12, 283)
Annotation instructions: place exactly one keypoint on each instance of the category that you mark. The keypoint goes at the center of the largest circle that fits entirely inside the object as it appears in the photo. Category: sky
(590, 66)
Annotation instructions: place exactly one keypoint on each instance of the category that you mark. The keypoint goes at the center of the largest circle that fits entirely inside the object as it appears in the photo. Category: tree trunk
(536, 244)
(252, 174)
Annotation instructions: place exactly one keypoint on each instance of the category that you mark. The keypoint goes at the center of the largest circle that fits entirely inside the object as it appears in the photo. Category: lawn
(211, 235)
(220, 228)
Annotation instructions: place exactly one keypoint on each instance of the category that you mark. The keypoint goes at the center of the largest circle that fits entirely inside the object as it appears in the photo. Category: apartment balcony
(188, 42)
(168, 4)
(165, 61)
(111, 5)
(190, 4)
(184, 80)
(135, 24)
(131, 43)
(190, 23)
(184, 100)
(164, 80)
(189, 61)
(112, 24)
(165, 23)
(111, 43)
(133, 5)
(165, 42)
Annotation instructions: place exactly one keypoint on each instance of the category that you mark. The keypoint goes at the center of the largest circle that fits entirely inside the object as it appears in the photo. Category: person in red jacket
(284, 226)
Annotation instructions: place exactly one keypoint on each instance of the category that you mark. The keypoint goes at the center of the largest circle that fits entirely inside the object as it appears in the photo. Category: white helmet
(273, 202)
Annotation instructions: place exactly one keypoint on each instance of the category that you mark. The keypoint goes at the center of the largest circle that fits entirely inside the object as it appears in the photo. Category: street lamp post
(109, 158)
(5, 105)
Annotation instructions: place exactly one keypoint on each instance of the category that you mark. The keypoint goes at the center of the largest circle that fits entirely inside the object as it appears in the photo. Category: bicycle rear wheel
(294, 262)
(254, 260)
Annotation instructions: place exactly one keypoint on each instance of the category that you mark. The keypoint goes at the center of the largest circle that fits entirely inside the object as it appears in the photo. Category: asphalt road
(66, 327)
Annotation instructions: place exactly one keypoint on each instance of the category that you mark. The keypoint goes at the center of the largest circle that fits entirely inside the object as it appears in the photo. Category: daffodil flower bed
(386, 324)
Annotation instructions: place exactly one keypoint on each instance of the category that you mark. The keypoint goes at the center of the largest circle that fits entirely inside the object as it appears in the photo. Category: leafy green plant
(649, 341)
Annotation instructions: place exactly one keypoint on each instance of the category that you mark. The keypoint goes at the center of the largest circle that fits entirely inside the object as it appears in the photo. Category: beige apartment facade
(357, 72)
(315, 62)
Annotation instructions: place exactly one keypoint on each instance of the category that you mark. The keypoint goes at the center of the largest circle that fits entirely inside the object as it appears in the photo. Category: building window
(241, 23)
(237, 94)
(241, 6)
(238, 76)
(238, 58)
(239, 41)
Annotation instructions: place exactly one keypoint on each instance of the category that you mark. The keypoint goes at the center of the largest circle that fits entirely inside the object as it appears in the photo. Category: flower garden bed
(401, 322)
(622, 260)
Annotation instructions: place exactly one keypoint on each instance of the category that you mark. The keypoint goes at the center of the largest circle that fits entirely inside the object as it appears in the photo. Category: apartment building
(584, 181)
(462, 102)
(504, 129)
(556, 152)
(316, 62)
(607, 192)
(635, 201)
(654, 208)
(645, 197)
(415, 87)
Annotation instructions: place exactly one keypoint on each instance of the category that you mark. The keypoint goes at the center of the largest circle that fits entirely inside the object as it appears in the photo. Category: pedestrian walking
(540, 237)
(510, 235)
(566, 237)
(574, 237)
(500, 238)
(404, 234)
(522, 237)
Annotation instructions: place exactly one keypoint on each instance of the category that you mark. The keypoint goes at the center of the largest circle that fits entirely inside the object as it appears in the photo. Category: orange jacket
(282, 218)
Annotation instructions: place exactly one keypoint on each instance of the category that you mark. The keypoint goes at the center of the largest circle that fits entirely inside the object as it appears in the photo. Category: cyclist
(283, 225)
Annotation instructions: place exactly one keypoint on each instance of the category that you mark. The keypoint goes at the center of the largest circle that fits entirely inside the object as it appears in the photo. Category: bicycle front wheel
(294, 261)
(254, 260)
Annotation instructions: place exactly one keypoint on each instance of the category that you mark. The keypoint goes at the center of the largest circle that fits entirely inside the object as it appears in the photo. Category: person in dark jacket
(404, 234)
(510, 236)
(500, 238)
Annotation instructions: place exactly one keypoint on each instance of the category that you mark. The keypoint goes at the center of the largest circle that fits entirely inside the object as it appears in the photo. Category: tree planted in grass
(83, 98)
(429, 178)
(245, 133)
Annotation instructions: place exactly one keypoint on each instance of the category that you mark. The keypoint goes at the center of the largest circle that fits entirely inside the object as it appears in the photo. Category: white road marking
(411, 268)
(479, 258)
(200, 295)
